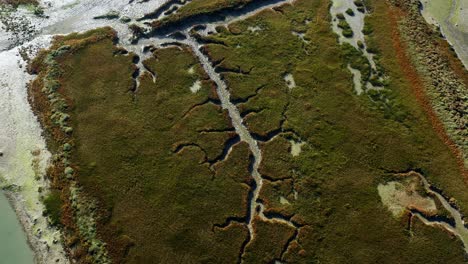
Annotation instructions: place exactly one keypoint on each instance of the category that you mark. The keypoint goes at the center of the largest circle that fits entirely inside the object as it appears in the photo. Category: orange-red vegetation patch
(396, 15)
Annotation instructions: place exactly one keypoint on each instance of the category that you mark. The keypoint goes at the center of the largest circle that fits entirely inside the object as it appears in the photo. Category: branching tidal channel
(255, 207)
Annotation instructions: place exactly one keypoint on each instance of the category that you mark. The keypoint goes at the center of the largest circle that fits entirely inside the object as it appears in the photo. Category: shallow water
(356, 22)
(13, 246)
(460, 230)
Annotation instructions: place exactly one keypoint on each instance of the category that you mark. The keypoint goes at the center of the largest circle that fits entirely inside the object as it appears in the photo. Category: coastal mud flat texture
(24, 157)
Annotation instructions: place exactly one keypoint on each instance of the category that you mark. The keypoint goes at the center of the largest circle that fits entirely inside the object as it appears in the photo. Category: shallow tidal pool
(13, 245)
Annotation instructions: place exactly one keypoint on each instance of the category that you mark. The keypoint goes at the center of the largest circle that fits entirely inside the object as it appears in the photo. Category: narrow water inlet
(401, 196)
(237, 122)
(255, 208)
(459, 230)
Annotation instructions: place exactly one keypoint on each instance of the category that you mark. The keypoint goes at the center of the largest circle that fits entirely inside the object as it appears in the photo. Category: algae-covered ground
(171, 181)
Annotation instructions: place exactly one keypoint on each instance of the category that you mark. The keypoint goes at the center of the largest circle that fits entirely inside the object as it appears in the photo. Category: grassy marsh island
(153, 162)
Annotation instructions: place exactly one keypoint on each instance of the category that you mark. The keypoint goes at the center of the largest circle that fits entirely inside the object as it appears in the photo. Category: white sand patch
(296, 195)
(283, 201)
(398, 197)
(301, 36)
(196, 86)
(357, 78)
(296, 147)
(254, 29)
(290, 82)
(191, 70)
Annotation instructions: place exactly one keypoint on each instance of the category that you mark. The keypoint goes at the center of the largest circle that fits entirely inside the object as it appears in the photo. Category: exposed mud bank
(406, 197)
(24, 156)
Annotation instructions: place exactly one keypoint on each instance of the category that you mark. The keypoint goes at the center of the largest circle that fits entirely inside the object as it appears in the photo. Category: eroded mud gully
(180, 34)
(457, 228)
(429, 205)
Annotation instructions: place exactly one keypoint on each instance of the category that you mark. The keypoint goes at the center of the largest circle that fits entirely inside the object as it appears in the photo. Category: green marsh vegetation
(31, 5)
(146, 156)
(352, 142)
(206, 6)
(267, 244)
(347, 31)
(53, 206)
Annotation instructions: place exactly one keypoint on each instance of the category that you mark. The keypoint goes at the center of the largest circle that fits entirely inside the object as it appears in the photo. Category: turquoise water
(13, 246)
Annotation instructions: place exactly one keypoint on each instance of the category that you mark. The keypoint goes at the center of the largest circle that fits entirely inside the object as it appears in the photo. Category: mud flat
(403, 196)
(452, 18)
(24, 158)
